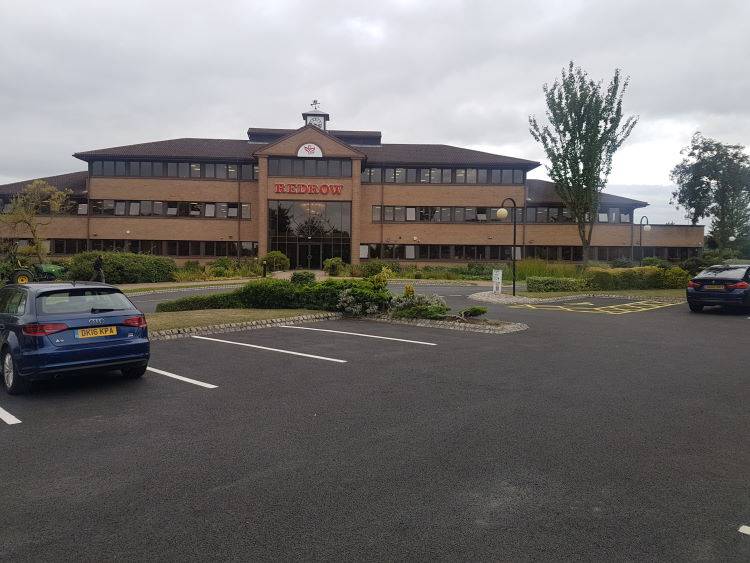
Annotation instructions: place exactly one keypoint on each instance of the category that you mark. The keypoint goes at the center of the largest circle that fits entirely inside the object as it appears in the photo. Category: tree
(713, 180)
(585, 130)
(32, 209)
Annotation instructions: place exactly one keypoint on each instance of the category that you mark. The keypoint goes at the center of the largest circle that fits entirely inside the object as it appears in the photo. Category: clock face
(315, 120)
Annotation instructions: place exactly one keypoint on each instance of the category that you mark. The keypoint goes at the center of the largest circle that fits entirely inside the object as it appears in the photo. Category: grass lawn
(208, 317)
(640, 293)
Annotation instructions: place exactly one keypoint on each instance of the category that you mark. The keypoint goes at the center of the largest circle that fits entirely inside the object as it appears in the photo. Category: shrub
(334, 266)
(408, 290)
(196, 302)
(419, 306)
(643, 277)
(676, 278)
(360, 301)
(622, 263)
(545, 284)
(656, 262)
(302, 278)
(123, 267)
(373, 267)
(380, 279)
(472, 312)
(276, 260)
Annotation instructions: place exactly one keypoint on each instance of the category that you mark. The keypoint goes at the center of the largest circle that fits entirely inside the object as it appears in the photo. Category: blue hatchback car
(723, 284)
(48, 329)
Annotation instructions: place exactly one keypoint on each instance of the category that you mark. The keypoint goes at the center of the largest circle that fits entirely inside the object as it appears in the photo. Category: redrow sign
(324, 189)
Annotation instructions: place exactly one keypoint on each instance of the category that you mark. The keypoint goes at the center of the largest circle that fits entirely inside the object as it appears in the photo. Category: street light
(502, 213)
(646, 228)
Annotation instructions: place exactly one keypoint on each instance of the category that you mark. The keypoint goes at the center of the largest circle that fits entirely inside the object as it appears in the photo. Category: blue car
(724, 284)
(47, 329)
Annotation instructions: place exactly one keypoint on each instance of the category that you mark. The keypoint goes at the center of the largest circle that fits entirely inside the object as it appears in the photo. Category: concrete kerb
(503, 299)
(175, 333)
(504, 328)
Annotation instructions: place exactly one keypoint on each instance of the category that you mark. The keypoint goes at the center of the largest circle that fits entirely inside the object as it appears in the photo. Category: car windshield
(724, 272)
(82, 301)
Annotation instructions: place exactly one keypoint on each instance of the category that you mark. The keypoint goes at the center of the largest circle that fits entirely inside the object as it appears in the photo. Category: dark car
(48, 329)
(724, 284)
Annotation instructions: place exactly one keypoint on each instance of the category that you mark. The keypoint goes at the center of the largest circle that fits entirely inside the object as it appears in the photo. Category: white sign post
(497, 281)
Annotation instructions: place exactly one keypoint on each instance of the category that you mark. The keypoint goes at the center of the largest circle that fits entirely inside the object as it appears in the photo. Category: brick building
(315, 193)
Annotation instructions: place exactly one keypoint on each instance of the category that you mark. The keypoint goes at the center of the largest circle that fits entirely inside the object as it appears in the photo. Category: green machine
(33, 272)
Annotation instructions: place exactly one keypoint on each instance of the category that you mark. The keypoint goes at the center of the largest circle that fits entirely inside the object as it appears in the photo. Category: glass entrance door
(310, 256)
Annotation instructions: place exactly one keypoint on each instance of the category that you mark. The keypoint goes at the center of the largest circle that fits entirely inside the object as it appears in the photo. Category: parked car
(724, 284)
(48, 329)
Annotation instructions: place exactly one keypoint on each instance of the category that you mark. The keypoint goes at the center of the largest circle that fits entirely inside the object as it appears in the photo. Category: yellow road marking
(618, 309)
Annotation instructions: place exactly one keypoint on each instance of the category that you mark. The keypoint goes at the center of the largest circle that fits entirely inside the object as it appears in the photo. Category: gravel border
(502, 299)
(175, 333)
(506, 328)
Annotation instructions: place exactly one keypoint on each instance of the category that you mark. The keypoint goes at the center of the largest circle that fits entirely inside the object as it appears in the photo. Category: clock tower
(316, 117)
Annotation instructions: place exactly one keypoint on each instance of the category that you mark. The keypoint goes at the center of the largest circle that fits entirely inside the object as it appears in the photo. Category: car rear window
(724, 272)
(81, 301)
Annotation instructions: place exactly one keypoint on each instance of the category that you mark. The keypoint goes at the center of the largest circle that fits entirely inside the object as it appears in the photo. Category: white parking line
(181, 378)
(8, 418)
(272, 349)
(744, 530)
(359, 334)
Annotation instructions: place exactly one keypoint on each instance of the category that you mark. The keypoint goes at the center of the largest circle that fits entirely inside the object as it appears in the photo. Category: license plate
(714, 287)
(96, 331)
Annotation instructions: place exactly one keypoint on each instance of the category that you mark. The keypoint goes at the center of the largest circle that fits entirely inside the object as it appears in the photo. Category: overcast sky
(78, 75)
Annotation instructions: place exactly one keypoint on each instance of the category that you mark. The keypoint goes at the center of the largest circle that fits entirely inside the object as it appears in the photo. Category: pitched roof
(179, 148)
(543, 191)
(404, 154)
(74, 181)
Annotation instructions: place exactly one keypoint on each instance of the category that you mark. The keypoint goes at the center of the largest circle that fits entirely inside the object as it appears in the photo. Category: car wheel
(14, 383)
(695, 307)
(133, 372)
(22, 276)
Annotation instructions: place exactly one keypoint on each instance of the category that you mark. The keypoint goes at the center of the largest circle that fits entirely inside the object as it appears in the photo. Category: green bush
(123, 267)
(657, 262)
(357, 301)
(373, 267)
(643, 277)
(276, 260)
(302, 278)
(472, 312)
(622, 263)
(334, 266)
(419, 306)
(545, 284)
(196, 302)
(676, 278)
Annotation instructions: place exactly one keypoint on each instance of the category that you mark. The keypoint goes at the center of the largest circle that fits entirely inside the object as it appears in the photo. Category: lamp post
(502, 213)
(646, 228)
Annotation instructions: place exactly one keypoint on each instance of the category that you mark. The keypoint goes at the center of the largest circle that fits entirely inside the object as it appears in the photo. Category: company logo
(97, 321)
(310, 150)
(323, 189)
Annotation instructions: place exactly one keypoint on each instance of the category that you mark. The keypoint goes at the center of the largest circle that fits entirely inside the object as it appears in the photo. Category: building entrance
(310, 256)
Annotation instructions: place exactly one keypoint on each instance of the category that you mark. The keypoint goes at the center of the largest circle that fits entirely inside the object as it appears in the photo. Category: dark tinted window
(724, 272)
(81, 301)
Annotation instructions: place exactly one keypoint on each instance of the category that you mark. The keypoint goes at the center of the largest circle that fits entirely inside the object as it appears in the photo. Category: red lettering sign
(323, 189)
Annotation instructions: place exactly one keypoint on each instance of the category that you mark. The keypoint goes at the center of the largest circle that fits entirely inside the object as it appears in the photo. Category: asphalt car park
(586, 437)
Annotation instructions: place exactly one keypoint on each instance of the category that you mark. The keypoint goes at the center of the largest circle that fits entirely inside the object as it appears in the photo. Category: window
(157, 169)
(183, 170)
(400, 175)
(195, 209)
(346, 168)
(614, 215)
(209, 170)
(134, 169)
(145, 169)
(232, 210)
(436, 176)
(411, 175)
(424, 175)
(96, 168)
(507, 176)
(554, 214)
(309, 167)
(497, 177)
(471, 176)
(460, 176)
(334, 168)
(195, 248)
(518, 176)
(389, 176)
(108, 168)
(171, 210)
(221, 210)
(447, 175)
(159, 208)
(364, 250)
(482, 213)
(399, 214)
(209, 210)
(603, 216)
(108, 207)
(541, 214)
(624, 216)
(245, 210)
(285, 167)
(376, 175)
(458, 214)
(481, 176)
(445, 214)
(376, 215)
(120, 168)
(365, 176)
(146, 208)
(134, 208)
(470, 214)
(195, 170)
(232, 171)
(411, 214)
(246, 171)
(531, 214)
(83, 209)
(410, 252)
(388, 213)
(172, 169)
(221, 171)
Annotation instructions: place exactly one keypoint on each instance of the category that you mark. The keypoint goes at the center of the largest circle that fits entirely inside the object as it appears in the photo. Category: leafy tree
(713, 180)
(585, 129)
(31, 210)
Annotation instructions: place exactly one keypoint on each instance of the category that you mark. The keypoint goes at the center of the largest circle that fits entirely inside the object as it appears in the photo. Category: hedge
(122, 267)
(282, 294)
(545, 284)
(644, 277)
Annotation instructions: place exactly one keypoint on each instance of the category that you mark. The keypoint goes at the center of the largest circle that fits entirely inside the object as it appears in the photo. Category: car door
(5, 320)
(12, 311)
